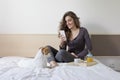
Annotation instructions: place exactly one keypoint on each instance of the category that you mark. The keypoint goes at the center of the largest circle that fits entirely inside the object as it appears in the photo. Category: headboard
(27, 45)
(106, 45)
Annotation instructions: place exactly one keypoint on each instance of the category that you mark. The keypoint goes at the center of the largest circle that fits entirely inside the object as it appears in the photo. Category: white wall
(43, 16)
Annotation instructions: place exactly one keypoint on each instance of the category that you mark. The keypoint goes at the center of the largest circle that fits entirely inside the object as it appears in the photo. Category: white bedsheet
(9, 70)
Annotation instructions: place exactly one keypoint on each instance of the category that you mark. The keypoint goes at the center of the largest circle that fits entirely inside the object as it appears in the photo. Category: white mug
(77, 60)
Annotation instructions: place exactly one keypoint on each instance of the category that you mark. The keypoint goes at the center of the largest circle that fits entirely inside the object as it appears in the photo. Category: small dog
(39, 61)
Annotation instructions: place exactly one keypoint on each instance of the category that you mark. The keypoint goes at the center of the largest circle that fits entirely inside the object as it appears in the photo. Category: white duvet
(9, 70)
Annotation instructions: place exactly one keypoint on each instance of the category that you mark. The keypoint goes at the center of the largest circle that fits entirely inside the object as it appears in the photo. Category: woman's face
(69, 22)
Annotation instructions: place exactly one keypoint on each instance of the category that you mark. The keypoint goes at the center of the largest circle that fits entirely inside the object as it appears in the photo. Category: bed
(16, 47)
(9, 70)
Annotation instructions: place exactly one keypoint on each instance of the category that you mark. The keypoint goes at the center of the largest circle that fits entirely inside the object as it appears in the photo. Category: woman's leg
(64, 56)
(53, 52)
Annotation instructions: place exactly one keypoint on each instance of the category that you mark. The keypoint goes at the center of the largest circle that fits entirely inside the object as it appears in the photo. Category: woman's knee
(48, 46)
(61, 52)
(60, 55)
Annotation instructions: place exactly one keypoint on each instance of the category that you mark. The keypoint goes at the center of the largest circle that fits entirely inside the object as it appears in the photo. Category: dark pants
(60, 56)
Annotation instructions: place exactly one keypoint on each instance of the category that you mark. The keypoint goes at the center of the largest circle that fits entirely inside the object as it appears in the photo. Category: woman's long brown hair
(63, 25)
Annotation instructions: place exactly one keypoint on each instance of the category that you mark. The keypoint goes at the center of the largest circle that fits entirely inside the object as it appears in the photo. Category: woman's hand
(62, 35)
(74, 55)
(62, 38)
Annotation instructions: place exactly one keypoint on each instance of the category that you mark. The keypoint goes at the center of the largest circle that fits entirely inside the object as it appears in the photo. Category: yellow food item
(89, 59)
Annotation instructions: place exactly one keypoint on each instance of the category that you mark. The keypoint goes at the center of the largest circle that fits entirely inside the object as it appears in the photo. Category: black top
(79, 45)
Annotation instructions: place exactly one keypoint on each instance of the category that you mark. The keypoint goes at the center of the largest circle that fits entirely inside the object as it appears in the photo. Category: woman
(76, 44)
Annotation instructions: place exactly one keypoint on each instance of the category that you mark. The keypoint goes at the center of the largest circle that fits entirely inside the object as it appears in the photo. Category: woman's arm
(87, 40)
(63, 42)
(88, 45)
(63, 45)
(83, 53)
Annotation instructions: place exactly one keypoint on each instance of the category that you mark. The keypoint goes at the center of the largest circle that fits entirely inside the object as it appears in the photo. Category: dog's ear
(45, 50)
(42, 50)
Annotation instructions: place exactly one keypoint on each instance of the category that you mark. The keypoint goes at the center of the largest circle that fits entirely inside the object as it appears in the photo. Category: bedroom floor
(111, 61)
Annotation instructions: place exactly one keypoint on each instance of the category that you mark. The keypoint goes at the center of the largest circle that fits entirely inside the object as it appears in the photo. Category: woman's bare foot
(53, 64)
